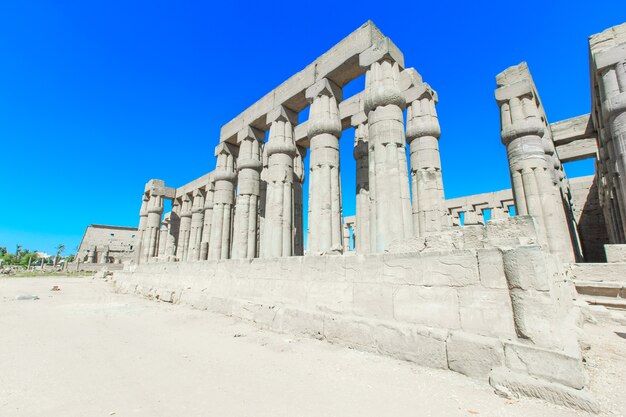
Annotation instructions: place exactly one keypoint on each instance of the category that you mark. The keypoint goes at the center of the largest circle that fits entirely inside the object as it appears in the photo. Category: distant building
(104, 244)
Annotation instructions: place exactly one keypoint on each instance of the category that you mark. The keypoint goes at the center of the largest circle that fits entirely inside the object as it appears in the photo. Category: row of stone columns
(609, 72)
(253, 204)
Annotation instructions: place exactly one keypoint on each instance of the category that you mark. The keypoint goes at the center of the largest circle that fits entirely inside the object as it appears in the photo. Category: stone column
(384, 102)
(223, 201)
(164, 235)
(150, 239)
(208, 219)
(422, 134)
(91, 258)
(608, 56)
(324, 130)
(281, 149)
(262, 201)
(105, 255)
(531, 173)
(298, 219)
(143, 219)
(362, 232)
(248, 190)
(182, 251)
(197, 221)
(171, 246)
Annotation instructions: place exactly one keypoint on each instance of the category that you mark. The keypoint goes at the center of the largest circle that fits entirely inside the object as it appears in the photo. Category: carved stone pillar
(281, 149)
(324, 130)
(298, 218)
(262, 201)
(164, 235)
(223, 201)
(208, 220)
(384, 102)
(197, 221)
(248, 190)
(182, 251)
(422, 134)
(171, 246)
(362, 239)
(150, 239)
(531, 173)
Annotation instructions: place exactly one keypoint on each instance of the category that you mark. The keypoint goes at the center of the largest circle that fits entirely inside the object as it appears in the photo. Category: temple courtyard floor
(85, 350)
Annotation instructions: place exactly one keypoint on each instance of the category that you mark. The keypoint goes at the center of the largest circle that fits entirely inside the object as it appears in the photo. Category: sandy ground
(87, 351)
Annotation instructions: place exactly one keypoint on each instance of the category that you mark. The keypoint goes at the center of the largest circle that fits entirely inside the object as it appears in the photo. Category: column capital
(421, 114)
(382, 86)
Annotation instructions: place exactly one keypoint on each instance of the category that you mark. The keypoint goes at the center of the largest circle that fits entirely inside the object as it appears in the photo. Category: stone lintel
(575, 128)
(577, 150)
(202, 182)
(340, 64)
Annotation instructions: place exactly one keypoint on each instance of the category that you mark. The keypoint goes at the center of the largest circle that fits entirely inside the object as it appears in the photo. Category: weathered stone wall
(471, 310)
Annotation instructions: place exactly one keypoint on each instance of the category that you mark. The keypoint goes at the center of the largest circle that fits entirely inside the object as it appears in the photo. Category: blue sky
(98, 97)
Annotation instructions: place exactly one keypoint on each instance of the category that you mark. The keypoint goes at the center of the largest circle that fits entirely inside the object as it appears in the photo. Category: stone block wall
(457, 309)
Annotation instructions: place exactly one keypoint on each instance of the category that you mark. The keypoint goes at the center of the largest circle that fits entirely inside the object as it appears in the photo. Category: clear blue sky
(97, 97)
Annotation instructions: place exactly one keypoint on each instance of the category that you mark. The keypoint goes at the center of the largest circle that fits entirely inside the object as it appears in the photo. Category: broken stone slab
(472, 355)
(506, 380)
(547, 364)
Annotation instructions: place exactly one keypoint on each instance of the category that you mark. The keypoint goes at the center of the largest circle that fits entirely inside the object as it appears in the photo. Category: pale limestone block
(328, 296)
(458, 268)
(491, 268)
(296, 321)
(525, 268)
(364, 268)
(291, 267)
(430, 306)
(528, 386)
(411, 343)
(288, 291)
(262, 314)
(221, 305)
(472, 355)
(615, 253)
(258, 268)
(547, 364)
(487, 312)
(373, 300)
(350, 332)
(326, 268)
(243, 288)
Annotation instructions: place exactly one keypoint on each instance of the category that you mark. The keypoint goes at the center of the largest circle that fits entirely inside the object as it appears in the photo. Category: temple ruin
(483, 285)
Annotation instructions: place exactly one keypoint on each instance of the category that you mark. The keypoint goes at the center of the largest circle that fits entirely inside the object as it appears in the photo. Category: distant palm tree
(18, 249)
(60, 249)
